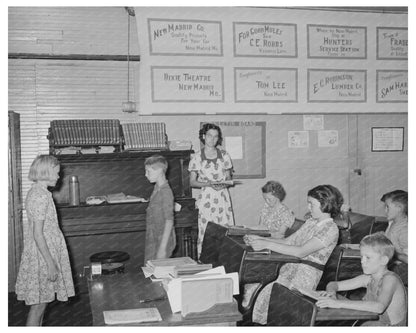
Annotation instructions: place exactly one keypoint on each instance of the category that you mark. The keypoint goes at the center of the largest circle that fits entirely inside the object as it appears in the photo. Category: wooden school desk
(253, 267)
(328, 314)
(124, 291)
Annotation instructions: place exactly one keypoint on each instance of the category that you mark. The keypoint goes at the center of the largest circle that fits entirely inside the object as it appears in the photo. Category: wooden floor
(75, 312)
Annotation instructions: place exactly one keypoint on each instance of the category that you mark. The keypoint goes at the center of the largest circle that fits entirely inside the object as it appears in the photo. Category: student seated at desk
(397, 230)
(275, 215)
(313, 242)
(385, 294)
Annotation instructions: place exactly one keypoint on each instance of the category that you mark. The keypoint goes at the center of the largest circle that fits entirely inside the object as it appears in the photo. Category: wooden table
(124, 291)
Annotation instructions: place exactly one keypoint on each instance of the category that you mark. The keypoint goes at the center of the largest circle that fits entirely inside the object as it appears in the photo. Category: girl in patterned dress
(275, 215)
(44, 268)
(314, 242)
(208, 168)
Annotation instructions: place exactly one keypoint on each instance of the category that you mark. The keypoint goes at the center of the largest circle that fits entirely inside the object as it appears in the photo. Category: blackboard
(245, 141)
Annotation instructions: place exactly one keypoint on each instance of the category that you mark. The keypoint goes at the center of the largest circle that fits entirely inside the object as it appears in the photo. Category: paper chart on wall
(328, 138)
(313, 122)
(298, 139)
(234, 146)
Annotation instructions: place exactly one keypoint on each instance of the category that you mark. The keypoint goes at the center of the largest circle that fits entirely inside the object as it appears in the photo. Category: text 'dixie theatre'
(187, 84)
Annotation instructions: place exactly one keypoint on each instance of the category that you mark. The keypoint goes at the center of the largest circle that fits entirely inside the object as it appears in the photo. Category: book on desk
(242, 231)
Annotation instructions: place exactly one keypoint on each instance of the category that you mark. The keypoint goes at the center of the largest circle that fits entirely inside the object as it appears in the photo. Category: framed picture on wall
(245, 141)
(387, 139)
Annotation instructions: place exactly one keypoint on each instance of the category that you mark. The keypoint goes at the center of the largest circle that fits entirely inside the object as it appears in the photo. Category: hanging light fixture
(129, 106)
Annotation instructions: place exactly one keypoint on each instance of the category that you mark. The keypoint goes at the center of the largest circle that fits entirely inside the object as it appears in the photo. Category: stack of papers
(201, 291)
(131, 316)
(164, 268)
(181, 271)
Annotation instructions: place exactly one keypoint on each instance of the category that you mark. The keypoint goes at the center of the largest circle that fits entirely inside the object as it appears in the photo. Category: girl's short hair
(380, 243)
(157, 161)
(205, 128)
(41, 168)
(329, 197)
(274, 188)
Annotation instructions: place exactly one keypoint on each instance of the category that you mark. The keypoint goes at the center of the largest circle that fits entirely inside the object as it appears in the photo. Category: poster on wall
(184, 37)
(313, 122)
(298, 139)
(264, 60)
(392, 86)
(387, 138)
(337, 85)
(187, 84)
(265, 85)
(277, 40)
(328, 138)
(336, 41)
(392, 43)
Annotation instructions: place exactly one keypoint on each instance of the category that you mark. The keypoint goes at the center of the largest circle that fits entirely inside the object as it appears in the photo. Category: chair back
(231, 255)
(211, 245)
(295, 227)
(361, 226)
(290, 308)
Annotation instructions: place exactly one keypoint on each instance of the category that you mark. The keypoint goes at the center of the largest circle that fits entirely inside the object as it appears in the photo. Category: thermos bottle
(73, 191)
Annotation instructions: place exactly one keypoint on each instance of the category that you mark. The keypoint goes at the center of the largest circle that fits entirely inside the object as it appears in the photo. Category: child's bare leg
(35, 316)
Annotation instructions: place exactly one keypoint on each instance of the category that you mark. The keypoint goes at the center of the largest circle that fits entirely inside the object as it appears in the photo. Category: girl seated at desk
(275, 215)
(313, 242)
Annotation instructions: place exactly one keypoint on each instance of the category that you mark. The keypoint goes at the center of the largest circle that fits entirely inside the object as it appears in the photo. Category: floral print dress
(301, 275)
(32, 284)
(276, 217)
(214, 206)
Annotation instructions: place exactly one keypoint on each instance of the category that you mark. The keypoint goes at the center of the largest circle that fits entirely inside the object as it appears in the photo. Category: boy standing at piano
(160, 234)
(386, 294)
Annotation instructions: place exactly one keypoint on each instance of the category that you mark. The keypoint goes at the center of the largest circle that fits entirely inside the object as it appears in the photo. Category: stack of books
(201, 291)
(144, 136)
(164, 268)
(85, 132)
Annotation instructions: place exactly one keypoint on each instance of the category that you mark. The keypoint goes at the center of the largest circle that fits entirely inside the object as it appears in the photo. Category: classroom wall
(256, 48)
(44, 90)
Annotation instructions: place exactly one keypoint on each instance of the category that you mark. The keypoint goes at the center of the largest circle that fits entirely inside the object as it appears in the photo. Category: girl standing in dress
(209, 167)
(44, 268)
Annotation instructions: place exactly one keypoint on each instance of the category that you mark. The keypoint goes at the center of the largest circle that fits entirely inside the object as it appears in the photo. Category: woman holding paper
(209, 169)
